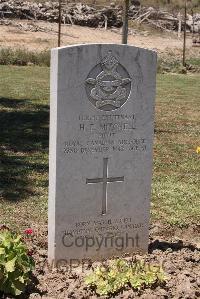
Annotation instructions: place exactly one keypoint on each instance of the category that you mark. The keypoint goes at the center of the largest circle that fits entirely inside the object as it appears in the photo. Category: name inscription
(101, 135)
(103, 126)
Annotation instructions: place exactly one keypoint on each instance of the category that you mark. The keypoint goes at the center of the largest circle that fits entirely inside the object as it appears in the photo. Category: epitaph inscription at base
(101, 135)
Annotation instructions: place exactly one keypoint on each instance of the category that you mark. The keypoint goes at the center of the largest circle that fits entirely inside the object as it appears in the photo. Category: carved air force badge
(108, 85)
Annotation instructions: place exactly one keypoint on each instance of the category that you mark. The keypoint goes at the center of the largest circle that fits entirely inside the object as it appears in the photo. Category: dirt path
(13, 36)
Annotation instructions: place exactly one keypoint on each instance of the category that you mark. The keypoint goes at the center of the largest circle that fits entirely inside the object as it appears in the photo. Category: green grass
(24, 144)
(24, 100)
(176, 177)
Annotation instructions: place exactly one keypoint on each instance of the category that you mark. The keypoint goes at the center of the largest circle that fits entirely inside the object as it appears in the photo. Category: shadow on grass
(23, 138)
(12, 103)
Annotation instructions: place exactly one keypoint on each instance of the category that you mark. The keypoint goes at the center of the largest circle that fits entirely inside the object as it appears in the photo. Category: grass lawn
(24, 102)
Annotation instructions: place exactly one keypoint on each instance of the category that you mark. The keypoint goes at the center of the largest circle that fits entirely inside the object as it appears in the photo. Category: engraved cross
(105, 180)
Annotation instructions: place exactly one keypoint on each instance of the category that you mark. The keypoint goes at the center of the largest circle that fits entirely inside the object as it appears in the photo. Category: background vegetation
(23, 57)
(20, 56)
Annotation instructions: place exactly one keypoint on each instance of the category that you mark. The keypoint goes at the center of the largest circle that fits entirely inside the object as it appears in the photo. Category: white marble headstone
(101, 135)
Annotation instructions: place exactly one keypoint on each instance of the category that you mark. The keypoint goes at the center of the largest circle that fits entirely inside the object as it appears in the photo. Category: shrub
(174, 65)
(15, 263)
(107, 280)
(22, 57)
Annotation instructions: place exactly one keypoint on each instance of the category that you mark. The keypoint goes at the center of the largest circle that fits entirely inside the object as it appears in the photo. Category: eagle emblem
(110, 88)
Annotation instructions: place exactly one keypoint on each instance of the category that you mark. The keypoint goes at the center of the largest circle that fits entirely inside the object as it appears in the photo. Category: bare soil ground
(14, 36)
(179, 258)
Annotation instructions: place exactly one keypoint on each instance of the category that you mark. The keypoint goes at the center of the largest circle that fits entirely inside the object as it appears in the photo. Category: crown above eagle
(109, 61)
